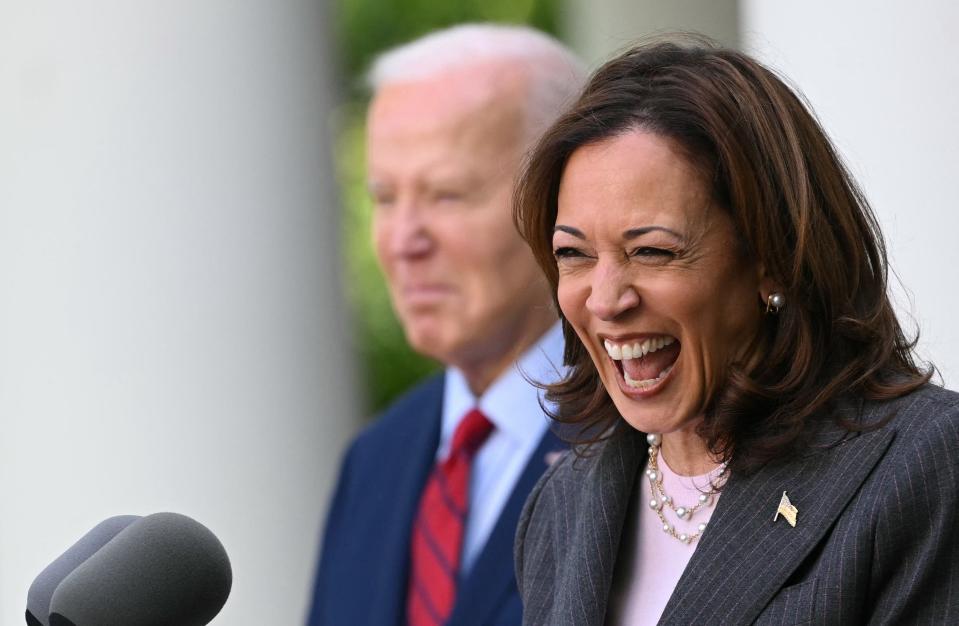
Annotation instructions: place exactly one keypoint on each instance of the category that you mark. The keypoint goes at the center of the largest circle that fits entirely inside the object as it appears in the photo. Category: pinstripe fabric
(877, 539)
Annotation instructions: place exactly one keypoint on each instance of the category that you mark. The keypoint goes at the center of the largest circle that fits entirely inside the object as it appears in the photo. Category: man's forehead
(481, 93)
(443, 132)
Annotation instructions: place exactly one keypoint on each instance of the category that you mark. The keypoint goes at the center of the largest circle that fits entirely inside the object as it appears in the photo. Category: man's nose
(409, 232)
(611, 293)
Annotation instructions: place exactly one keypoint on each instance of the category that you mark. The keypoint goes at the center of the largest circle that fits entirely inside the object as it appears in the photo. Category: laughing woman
(759, 444)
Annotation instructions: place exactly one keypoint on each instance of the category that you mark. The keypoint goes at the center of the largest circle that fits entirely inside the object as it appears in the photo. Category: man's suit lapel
(492, 578)
(418, 449)
(744, 557)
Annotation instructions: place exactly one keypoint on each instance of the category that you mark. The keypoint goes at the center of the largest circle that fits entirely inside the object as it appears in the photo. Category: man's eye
(382, 201)
(448, 196)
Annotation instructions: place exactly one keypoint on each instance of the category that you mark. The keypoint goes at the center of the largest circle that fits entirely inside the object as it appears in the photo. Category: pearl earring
(774, 302)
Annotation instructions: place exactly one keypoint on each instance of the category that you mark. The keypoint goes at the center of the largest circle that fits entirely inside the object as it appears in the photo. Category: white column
(171, 328)
(884, 80)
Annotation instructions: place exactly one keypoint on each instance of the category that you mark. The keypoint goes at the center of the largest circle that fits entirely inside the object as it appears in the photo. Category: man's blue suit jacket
(362, 577)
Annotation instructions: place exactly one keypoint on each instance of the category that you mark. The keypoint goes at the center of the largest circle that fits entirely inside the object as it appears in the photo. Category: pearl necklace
(661, 500)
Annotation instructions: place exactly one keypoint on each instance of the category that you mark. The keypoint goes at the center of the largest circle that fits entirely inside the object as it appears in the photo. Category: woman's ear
(767, 286)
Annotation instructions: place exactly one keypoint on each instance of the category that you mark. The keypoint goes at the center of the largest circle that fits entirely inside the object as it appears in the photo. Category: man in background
(421, 526)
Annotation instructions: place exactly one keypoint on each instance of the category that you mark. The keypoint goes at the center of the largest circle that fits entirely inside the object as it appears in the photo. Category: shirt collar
(511, 403)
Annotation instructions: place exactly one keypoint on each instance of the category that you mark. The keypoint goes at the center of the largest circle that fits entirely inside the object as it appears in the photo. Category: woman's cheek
(567, 306)
(564, 296)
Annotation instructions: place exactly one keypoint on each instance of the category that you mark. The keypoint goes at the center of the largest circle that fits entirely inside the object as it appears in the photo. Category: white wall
(884, 80)
(170, 328)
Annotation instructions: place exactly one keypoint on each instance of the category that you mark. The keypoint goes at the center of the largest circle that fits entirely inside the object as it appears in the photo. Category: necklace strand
(661, 500)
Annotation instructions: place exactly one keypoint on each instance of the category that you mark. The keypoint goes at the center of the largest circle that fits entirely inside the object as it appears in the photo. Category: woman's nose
(612, 294)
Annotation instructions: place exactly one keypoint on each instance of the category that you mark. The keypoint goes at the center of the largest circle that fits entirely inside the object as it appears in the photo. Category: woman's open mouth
(644, 363)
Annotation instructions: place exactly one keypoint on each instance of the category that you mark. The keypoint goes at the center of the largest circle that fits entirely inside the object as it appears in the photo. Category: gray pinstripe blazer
(877, 538)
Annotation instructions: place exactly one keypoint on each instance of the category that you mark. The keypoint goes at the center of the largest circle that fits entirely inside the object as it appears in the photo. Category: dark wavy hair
(796, 210)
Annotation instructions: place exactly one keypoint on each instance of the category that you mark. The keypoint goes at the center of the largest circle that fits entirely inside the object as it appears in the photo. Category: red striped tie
(438, 531)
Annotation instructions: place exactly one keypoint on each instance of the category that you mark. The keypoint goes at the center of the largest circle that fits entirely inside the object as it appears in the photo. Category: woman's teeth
(649, 382)
(638, 349)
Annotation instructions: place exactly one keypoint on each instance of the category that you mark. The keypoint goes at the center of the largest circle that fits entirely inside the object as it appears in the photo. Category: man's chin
(431, 341)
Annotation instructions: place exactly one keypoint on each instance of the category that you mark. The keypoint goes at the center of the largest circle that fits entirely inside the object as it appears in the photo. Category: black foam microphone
(163, 569)
(41, 591)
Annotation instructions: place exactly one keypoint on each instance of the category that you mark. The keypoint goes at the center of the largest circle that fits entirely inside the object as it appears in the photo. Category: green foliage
(366, 28)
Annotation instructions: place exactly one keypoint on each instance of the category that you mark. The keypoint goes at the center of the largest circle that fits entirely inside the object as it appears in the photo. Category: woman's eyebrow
(575, 232)
(632, 233)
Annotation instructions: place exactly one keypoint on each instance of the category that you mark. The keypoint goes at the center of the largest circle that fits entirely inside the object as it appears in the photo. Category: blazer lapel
(492, 578)
(745, 557)
(416, 450)
(595, 517)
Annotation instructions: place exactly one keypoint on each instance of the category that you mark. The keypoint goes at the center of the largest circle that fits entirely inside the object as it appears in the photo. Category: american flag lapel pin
(787, 510)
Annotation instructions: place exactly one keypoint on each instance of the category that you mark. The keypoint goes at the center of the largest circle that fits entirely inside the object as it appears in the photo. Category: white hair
(555, 75)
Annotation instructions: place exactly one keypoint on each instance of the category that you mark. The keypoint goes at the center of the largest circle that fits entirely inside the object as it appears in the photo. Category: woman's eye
(566, 253)
(657, 253)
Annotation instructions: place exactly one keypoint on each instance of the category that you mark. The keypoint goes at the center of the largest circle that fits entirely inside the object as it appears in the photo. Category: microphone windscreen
(163, 569)
(46, 582)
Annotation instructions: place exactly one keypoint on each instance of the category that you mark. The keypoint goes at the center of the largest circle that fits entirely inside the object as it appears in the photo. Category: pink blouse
(651, 561)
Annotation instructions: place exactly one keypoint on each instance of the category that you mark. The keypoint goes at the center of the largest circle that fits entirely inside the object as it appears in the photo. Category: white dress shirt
(513, 406)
